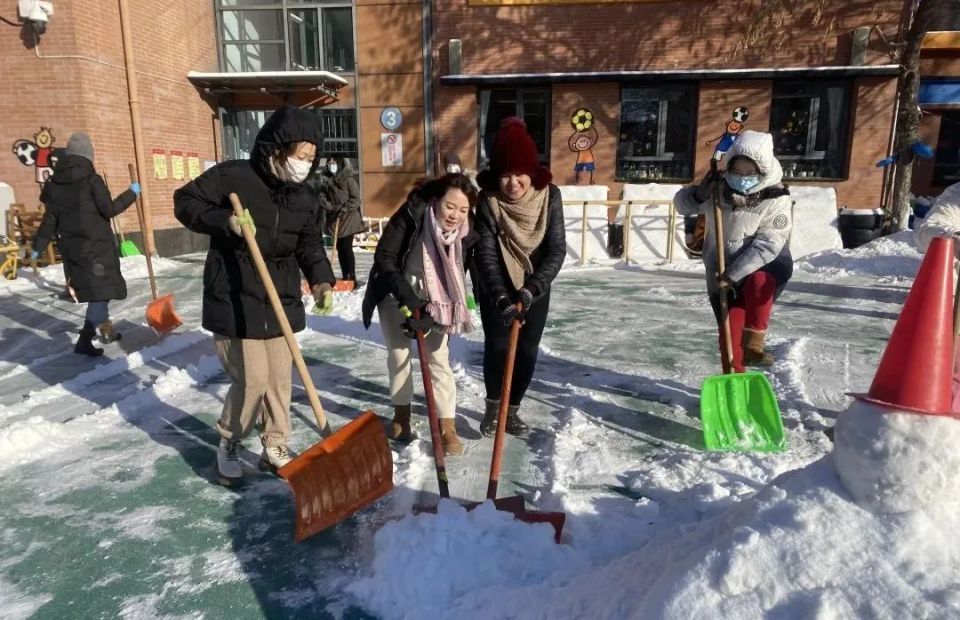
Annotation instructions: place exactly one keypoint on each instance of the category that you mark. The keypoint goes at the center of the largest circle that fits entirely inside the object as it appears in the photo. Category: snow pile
(814, 220)
(425, 563)
(596, 246)
(894, 462)
(894, 256)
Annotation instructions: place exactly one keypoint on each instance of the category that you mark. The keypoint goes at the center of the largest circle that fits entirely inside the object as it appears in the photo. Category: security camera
(36, 13)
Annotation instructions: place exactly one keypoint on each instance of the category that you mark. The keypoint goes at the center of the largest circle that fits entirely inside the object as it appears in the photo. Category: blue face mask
(740, 183)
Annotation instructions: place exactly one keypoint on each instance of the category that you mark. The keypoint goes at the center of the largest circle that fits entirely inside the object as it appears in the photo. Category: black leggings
(348, 263)
(495, 336)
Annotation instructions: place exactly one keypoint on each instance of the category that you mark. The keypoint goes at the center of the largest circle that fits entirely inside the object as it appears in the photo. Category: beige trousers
(399, 366)
(261, 374)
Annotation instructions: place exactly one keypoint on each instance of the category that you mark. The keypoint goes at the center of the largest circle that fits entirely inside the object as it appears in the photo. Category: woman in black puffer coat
(78, 213)
(521, 249)
(341, 199)
(283, 211)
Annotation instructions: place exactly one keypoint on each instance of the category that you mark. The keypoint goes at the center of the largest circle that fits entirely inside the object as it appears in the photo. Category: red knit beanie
(513, 152)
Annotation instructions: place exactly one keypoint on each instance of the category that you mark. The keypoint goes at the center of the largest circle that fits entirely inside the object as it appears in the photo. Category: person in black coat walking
(418, 283)
(78, 214)
(282, 209)
(521, 249)
(341, 199)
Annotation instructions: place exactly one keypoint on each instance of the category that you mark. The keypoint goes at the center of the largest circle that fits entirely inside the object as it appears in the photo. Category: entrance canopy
(304, 88)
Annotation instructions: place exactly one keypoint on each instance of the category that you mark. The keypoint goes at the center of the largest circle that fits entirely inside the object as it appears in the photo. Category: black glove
(525, 297)
(411, 325)
(508, 310)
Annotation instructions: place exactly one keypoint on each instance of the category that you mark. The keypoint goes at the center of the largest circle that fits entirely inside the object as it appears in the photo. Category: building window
(946, 163)
(530, 104)
(289, 35)
(339, 126)
(809, 126)
(657, 133)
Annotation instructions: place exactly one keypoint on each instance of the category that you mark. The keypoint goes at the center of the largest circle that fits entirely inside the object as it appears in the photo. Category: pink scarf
(443, 274)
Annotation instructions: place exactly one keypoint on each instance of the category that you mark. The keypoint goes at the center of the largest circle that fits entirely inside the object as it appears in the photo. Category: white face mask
(297, 169)
(332, 168)
(453, 169)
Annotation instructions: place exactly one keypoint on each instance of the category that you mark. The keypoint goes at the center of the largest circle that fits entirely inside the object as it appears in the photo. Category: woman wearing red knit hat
(519, 253)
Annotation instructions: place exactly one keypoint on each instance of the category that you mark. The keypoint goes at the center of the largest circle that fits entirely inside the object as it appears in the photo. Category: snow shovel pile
(348, 469)
(739, 411)
(514, 504)
(161, 316)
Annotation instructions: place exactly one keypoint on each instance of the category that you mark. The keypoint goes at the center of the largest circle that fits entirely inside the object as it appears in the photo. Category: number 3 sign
(391, 119)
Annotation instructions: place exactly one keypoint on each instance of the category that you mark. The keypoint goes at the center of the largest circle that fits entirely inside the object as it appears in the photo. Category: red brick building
(661, 78)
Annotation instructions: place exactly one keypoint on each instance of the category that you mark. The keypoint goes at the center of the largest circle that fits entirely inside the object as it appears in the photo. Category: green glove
(323, 296)
(236, 223)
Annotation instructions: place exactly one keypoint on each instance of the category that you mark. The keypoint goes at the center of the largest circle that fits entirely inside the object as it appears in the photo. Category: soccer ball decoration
(582, 119)
(26, 152)
(741, 114)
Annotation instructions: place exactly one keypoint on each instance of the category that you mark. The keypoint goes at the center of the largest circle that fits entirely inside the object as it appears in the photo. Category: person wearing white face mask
(757, 221)
(283, 212)
(340, 197)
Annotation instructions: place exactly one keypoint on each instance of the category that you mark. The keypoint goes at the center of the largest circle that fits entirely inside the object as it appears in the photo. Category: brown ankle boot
(753, 353)
(107, 333)
(400, 426)
(452, 446)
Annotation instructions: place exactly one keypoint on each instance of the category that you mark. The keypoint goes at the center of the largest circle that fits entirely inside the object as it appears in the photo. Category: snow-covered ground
(109, 509)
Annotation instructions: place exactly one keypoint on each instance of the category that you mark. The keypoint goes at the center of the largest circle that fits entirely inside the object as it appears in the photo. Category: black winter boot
(85, 342)
(488, 425)
(515, 426)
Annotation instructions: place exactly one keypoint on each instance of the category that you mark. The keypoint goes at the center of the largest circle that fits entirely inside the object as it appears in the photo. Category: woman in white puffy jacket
(757, 221)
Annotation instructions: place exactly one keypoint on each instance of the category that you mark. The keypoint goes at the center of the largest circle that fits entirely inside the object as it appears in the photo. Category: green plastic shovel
(739, 411)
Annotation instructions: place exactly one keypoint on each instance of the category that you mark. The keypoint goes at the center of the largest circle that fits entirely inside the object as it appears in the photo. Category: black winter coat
(78, 214)
(401, 234)
(289, 234)
(493, 281)
(341, 199)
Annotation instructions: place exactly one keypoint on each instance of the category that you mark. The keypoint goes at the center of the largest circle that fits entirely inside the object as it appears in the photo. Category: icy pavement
(105, 465)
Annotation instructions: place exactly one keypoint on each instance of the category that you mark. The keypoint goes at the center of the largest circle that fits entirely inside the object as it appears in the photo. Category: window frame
(692, 90)
(950, 118)
(286, 7)
(483, 161)
(811, 154)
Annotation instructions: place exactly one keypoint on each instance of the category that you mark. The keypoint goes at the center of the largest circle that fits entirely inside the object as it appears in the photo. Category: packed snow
(109, 508)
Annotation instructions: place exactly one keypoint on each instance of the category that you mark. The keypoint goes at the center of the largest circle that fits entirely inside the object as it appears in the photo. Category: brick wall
(90, 94)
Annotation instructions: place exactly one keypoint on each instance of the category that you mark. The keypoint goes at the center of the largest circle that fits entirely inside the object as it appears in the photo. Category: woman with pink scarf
(417, 283)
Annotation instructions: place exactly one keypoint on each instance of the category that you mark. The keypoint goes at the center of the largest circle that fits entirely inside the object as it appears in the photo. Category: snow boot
(753, 353)
(273, 458)
(84, 344)
(488, 425)
(615, 240)
(400, 425)
(229, 472)
(107, 333)
(515, 426)
(452, 446)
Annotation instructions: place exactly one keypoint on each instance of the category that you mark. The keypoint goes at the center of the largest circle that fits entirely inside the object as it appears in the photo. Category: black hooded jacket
(289, 234)
(78, 213)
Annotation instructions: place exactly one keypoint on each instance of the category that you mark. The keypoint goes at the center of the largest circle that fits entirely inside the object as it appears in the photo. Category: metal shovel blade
(341, 474)
(515, 505)
(740, 412)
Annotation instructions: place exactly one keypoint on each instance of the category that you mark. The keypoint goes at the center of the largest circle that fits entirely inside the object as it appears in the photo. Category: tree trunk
(908, 112)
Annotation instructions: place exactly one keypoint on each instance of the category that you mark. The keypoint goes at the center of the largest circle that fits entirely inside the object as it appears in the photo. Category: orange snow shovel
(340, 286)
(348, 469)
(161, 316)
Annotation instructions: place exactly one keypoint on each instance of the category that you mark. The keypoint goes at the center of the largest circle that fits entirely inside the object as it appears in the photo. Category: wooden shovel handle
(143, 232)
(282, 319)
(498, 440)
(442, 481)
(726, 351)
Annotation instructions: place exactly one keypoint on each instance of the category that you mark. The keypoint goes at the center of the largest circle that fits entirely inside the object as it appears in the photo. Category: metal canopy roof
(668, 74)
(277, 83)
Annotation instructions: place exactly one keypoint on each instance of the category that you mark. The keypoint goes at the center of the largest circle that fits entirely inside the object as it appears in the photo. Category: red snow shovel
(514, 504)
(349, 469)
(161, 316)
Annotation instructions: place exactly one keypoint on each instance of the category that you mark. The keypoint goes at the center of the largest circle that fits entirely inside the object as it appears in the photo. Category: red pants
(750, 308)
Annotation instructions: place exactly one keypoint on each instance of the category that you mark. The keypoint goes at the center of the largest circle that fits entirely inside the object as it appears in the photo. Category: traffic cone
(916, 370)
